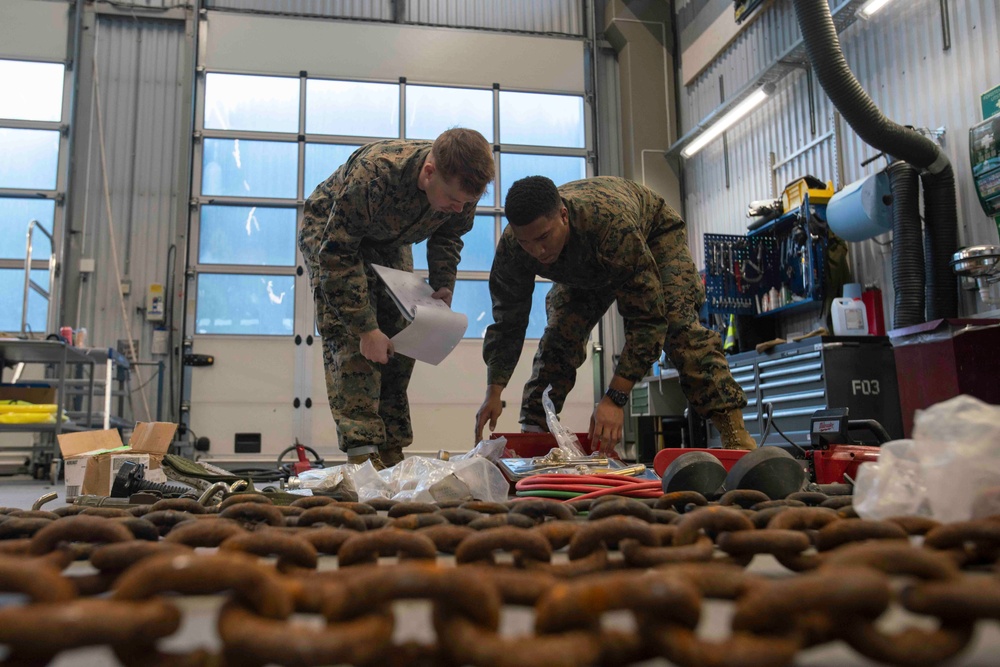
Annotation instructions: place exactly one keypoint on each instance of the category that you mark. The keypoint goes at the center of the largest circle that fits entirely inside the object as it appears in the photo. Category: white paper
(434, 330)
(432, 335)
(408, 290)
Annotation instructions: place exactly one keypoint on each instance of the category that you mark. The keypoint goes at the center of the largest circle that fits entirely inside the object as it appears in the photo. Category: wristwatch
(618, 397)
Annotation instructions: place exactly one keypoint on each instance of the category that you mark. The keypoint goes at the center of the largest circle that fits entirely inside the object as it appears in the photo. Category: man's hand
(489, 411)
(606, 425)
(444, 294)
(376, 346)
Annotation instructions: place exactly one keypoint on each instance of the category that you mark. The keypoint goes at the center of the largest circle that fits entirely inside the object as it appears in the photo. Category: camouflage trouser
(368, 399)
(695, 351)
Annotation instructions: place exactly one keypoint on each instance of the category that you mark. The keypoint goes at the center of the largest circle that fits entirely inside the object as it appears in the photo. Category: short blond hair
(466, 155)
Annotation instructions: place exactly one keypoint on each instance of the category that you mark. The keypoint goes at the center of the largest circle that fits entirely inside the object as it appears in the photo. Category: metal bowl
(976, 261)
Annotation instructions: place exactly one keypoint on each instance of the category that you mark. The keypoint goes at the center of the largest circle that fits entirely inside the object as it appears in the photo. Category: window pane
(477, 255)
(560, 169)
(31, 91)
(541, 120)
(236, 168)
(430, 111)
(15, 214)
(242, 304)
(472, 297)
(321, 161)
(12, 300)
(29, 158)
(258, 235)
(352, 108)
(255, 103)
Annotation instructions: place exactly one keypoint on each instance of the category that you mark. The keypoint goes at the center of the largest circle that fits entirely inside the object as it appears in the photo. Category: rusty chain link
(656, 560)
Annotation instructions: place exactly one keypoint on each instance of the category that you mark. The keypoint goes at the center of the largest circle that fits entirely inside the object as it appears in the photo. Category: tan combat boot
(733, 431)
(391, 456)
(371, 456)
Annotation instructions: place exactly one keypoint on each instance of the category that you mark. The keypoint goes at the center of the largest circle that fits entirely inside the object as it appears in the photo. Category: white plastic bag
(892, 486)
(423, 479)
(950, 471)
(565, 438)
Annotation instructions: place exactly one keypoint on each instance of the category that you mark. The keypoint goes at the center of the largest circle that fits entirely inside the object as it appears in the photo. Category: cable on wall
(111, 235)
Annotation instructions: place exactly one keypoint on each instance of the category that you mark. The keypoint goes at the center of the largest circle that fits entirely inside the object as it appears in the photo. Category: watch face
(619, 398)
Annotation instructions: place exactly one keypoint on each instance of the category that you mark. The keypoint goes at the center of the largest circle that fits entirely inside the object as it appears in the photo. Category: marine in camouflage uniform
(624, 244)
(371, 211)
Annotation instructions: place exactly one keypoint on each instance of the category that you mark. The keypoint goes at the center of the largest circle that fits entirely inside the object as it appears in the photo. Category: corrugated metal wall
(371, 10)
(140, 72)
(563, 17)
(898, 58)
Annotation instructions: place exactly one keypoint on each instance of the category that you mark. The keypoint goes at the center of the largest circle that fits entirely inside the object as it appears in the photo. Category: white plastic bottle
(849, 317)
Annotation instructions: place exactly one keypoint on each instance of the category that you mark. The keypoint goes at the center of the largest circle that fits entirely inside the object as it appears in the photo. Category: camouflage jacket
(372, 203)
(610, 221)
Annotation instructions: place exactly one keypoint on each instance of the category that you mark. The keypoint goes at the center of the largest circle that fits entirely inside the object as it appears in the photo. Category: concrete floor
(413, 618)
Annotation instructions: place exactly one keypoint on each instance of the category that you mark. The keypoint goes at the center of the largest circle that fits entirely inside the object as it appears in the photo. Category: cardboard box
(38, 394)
(91, 459)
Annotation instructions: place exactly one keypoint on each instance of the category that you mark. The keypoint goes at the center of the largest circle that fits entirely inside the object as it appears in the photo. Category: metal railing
(30, 284)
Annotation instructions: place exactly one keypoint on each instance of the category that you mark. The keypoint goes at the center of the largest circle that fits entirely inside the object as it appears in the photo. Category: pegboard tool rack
(788, 251)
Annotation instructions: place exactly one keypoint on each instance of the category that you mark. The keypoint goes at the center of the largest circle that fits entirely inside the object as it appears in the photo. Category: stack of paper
(434, 329)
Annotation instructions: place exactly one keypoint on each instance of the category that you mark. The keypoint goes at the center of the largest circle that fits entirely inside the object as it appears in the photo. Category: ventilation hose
(941, 210)
(907, 254)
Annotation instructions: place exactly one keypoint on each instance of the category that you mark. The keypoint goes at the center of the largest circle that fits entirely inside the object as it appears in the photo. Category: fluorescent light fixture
(727, 121)
(869, 8)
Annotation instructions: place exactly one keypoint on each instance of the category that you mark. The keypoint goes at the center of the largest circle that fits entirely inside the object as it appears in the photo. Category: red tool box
(530, 445)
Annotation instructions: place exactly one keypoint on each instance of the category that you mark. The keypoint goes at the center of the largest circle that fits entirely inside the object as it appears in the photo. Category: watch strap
(618, 397)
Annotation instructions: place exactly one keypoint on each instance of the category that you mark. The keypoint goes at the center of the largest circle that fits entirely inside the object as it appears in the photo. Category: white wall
(247, 43)
(30, 29)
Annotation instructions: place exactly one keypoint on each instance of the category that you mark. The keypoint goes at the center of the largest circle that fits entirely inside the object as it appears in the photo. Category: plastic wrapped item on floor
(950, 471)
(892, 486)
(338, 481)
(565, 437)
(492, 450)
(423, 479)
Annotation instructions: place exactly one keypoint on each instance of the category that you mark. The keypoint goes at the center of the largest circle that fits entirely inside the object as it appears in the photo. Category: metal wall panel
(563, 17)
(899, 59)
(139, 73)
(762, 42)
(372, 10)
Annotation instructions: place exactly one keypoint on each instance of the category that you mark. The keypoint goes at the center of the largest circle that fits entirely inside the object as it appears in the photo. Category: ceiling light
(869, 8)
(728, 120)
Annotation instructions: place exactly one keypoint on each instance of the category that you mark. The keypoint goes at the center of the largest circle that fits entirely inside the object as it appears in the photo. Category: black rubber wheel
(770, 470)
(694, 471)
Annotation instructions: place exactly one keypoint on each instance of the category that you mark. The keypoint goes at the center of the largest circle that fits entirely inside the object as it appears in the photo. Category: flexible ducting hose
(907, 253)
(865, 118)
(940, 243)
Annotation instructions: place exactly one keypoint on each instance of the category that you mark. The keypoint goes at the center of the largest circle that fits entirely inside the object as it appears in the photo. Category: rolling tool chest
(797, 379)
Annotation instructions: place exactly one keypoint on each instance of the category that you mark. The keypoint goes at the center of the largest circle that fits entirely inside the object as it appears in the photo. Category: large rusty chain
(570, 564)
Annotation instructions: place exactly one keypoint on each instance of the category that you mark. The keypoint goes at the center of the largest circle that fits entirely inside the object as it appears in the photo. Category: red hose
(593, 486)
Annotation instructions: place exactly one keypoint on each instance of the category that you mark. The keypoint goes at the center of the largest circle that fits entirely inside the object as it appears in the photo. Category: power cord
(769, 421)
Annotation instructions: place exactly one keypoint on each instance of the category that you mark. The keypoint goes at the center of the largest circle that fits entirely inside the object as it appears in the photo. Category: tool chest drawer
(796, 379)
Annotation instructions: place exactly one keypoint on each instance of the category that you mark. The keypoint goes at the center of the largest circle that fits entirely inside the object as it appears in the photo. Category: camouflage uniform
(626, 244)
(370, 211)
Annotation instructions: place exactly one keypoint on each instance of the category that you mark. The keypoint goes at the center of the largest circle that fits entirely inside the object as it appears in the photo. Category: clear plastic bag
(950, 471)
(492, 450)
(565, 438)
